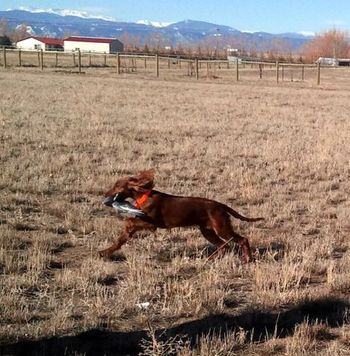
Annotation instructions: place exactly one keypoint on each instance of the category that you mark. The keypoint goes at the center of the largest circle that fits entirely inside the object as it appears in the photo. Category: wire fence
(156, 65)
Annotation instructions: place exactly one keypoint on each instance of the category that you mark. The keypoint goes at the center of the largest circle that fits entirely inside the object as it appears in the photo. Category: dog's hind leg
(213, 238)
(221, 224)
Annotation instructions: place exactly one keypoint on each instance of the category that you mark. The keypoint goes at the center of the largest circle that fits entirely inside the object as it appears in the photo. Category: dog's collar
(142, 200)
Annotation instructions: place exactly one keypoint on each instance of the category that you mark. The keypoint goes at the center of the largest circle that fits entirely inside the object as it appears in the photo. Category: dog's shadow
(117, 257)
(257, 325)
(275, 251)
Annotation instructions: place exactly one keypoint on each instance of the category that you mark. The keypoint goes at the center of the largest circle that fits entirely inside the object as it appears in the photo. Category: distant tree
(157, 41)
(145, 48)
(19, 33)
(131, 43)
(332, 43)
(277, 47)
(199, 50)
(5, 41)
(179, 49)
(4, 29)
(208, 45)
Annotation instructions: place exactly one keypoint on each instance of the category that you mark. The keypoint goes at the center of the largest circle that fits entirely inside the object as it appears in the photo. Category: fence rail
(126, 63)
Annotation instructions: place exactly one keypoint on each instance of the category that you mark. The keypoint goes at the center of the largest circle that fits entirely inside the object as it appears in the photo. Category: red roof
(90, 39)
(49, 40)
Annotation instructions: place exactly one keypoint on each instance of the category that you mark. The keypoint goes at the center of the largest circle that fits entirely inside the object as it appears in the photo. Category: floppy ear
(143, 181)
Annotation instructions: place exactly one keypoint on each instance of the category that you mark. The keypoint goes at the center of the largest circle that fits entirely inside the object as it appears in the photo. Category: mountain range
(59, 23)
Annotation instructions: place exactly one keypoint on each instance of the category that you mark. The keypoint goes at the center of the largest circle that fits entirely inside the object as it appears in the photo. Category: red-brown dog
(167, 211)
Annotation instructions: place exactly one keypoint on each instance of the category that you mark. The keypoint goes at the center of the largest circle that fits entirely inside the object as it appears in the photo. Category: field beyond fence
(158, 66)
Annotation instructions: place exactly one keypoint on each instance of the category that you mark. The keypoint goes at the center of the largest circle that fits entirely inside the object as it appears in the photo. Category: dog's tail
(237, 215)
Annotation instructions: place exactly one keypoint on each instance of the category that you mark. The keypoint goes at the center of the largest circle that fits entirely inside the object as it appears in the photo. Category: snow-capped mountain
(65, 12)
(153, 23)
(58, 23)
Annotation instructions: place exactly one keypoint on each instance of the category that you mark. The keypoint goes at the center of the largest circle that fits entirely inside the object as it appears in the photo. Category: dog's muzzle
(110, 200)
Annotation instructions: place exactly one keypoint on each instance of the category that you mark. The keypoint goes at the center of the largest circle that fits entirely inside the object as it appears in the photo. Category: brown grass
(277, 151)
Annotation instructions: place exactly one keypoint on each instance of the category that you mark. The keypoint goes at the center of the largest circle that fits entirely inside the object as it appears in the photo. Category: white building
(38, 43)
(328, 61)
(93, 44)
(334, 62)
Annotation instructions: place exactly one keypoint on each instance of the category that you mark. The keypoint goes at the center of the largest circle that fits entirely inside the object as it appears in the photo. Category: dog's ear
(143, 181)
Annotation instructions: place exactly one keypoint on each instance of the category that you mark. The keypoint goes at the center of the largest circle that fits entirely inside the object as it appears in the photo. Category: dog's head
(129, 187)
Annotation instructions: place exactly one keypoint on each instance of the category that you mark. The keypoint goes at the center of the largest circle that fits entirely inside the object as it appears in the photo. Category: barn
(93, 44)
(37, 43)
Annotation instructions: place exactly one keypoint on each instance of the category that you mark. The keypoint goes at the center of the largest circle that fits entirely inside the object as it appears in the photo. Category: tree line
(332, 43)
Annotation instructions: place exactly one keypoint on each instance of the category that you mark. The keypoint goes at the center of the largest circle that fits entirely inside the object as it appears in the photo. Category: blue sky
(273, 16)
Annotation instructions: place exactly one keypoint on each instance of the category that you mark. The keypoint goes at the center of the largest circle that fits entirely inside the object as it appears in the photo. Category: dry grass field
(281, 152)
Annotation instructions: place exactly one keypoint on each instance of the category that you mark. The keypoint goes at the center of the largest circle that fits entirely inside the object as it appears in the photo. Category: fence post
(302, 73)
(157, 65)
(260, 71)
(4, 51)
(291, 74)
(20, 58)
(74, 64)
(197, 69)
(89, 58)
(105, 60)
(145, 62)
(79, 60)
(118, 63)
(168, 63)
(56, 60)
(42, 59)
(237, 70)
(38, 58)
(277, 71)
(318, 73)
(282, 73)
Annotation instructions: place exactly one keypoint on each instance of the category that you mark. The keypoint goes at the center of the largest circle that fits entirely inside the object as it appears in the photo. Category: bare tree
(20, 33)
(4, 33)
(4, 29)
(332, 43)
(131, 43)
(157, 41)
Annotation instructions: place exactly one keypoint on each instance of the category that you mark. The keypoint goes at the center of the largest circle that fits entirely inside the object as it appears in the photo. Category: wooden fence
(128, 63)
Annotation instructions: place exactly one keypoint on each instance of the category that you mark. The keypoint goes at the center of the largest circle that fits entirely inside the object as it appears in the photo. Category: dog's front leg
(132, 225)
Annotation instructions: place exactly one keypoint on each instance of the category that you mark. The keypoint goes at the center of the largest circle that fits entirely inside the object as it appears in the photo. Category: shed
(344, 62)
(334, 62)
(44, 43)
(93, 44)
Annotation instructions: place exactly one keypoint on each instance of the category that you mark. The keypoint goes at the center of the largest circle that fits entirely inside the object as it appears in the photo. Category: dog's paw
(103, 253)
